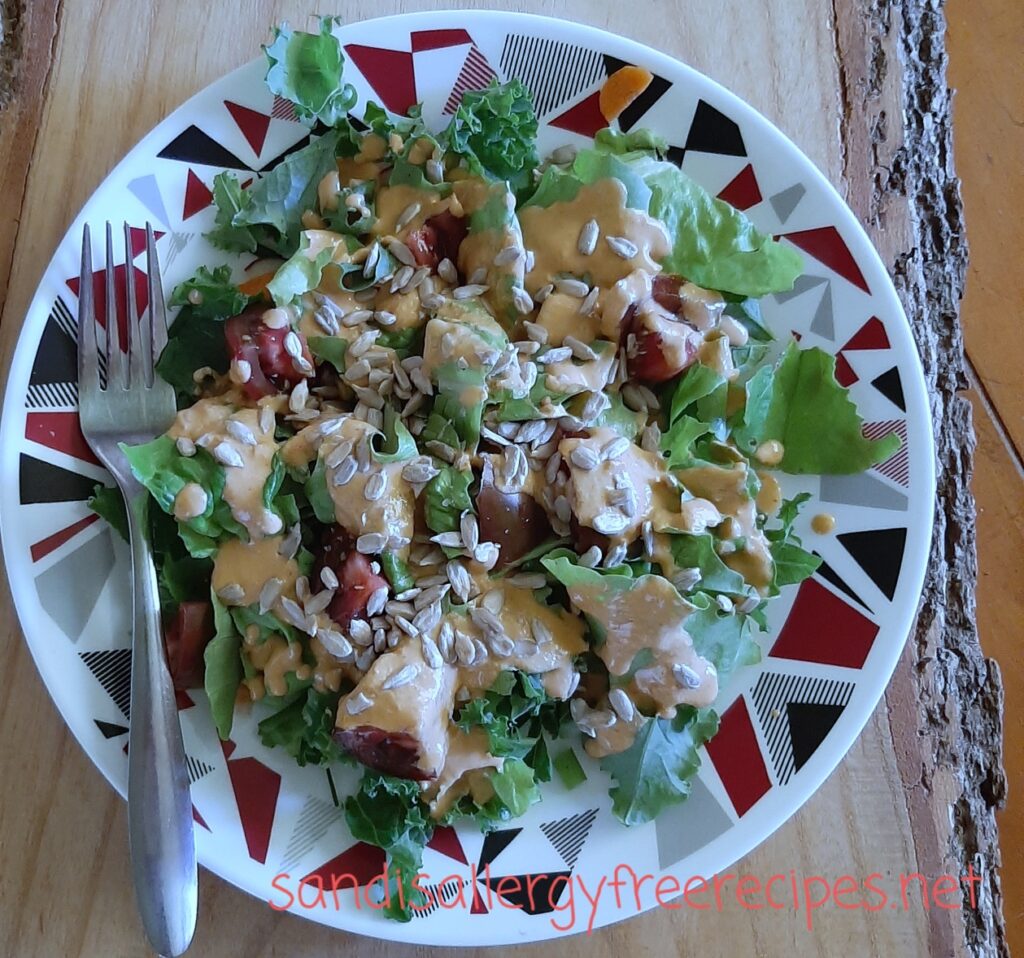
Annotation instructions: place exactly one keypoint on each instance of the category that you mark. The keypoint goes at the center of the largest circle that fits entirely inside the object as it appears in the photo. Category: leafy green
(677, 442)
(657, 769)
(495, 131)
(108, 503)
(396, 571)
(387, 812)
(698, 552)
(216, 296)
(621, 418)
(164, 472)
(306, 68)
(748, 313)
(696, 383)
(329, 349)
(269, 624)
(402, 341)
(569, 770)
(269, 214)
(713, 244)
(303, 727)
(800, 404)
(721, 638)
(615, 141)
(446, 498)
(398, 444)
(300, 272)
(515, 790)
(223, 672)
(452, 420)
(319, 495)
(559, 185)
(792, 563)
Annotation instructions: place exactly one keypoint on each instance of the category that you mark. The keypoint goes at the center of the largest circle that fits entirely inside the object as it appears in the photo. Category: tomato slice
(356, 579)
(186, 636)
(271, 368)
(654, 359)
(666, 292)
(438, 238)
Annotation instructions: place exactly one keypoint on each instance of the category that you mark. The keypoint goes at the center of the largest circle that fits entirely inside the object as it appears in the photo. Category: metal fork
(135, 406)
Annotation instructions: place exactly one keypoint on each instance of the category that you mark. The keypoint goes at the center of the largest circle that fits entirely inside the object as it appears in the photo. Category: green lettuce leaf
(698, 552)
(713, 244)
(398, 444)
(300, 272)
(319, 495)
(698, 382)
(792, 562)
(329, 349)
(306, 68)
(723, 638)
(800, 404)
(396, 572)
(446, 498)
(223, 668)
(656, 771)
(387, 812)
(108, 503)
(218, 297)
(615, 141)
(677, 442)
(303, 727)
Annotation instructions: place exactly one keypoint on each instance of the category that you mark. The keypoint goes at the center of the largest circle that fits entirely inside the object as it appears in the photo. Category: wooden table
(863, 93)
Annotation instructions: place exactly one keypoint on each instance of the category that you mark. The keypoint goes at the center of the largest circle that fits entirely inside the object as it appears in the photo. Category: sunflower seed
(358, 370)
(240, 371)
(584, 457)
(427, 619)
(446, 640)
(398, 607)
(344, 473)
(616, 556)
(377, 600)
(544, 292)
(435, 171)
(541, 633)
(470, 530)
(531, 431)
(406, 626)
(614, 448)
(650, 438)
(270, 593)
(407, 216)
(357, 317)
(502, 645)
(450, 540)
(587, 241)
(227, 455)
(685, 676)
(633, 398)
(416, 280)
(562, 509)
(326, 321)
(362, 343)
(610, 523)
(459, 578)
(185, 446)
(485, 619)
(493, 601)
(621, 705)
(385, 318)
(572, 287)
(422, 382)
(564, 154)
(557, 354)
(289, 545)
(469, 290)
(522, 301)
(446, 270)
(621, 246)
(528, 580)
(365, 659)
(299, 396)
(591, 558)
(403, 676)
(302, 588)
(367, 295)
(465, 650)
(293, 612)
(292, 344)
(648, 396)
(431, 653)
(647, 533)
(338, 453)
(370, 543)
(401, 278)
(232, 592)
(589, 302)
(486, 554)
(357, 702)
(441, 450)
(401, 252)
(748, 605)
(507, 256)
(477, 276)
(316, 604)
(578, 709)
(375, 486)
(432, 595)
(535, 332)
(579, 348)
(371, 260)
(419, 471)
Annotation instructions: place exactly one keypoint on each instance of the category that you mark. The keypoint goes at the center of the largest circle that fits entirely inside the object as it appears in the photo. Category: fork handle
(160, 835)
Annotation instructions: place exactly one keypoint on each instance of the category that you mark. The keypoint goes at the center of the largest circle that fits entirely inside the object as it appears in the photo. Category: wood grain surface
(917, 791)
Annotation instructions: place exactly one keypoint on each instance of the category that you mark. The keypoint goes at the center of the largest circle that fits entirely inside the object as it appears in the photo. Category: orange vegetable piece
(256, 285)
(621, 89)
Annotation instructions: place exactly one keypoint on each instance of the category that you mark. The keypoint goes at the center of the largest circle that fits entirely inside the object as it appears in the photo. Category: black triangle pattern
(809, 723)
(890, 385)
(44, 482)
(633, 113)
(495, 843)
(192, 145)
(533, 894)
(879, 552)
(826, 572)
(57, 356)
(568, 835)
(113, 670)
(109, 729)
(713, 132)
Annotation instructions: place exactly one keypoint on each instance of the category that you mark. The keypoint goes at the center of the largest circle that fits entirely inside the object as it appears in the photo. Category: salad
(474, 476)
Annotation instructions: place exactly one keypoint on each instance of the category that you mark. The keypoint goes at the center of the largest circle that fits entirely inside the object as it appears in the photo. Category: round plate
(785, 723)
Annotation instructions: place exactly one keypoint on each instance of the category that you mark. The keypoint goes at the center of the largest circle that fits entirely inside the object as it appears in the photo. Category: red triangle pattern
(362, 862)
(584, 118)
(871, 335)
(120, 284)
(183, 700)
(828, 247)
(256, 789)
(845, 375)
(478, 907)
(438, 39)
(742, 191)
(446, 841)
(60, 431)
(389, 72)
(737, 758)
(45, 546)
(199, 818)
(254, 125)
(197, 196)
(850, 634)
(137, 239)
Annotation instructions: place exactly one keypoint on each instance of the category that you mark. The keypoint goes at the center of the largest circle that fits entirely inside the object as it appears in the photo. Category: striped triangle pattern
(476, 73)
(196, 769)
(113, 670)
(312, 824)
(554, 72)
(568, 835)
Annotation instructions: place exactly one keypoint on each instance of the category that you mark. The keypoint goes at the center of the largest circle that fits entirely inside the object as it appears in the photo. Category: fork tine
(116, 372)
(157, 306)
(88, 359)
(138, 339)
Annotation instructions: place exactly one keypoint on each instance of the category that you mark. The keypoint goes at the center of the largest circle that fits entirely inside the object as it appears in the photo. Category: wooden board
(97, 74)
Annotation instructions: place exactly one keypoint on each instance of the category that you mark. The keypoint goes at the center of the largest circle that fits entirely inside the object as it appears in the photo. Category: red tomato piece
(438, 238)
(271, 368)
(356, 579)
(186, 636)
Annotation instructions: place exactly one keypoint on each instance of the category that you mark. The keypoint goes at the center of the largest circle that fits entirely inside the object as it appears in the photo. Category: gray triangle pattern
(786, 201)
(823, 323)
(568, 835)
(862, 489)
(802, 285)
(87, 567)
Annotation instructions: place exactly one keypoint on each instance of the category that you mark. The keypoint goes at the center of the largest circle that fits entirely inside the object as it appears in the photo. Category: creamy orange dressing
(328, 671)
(676, 339)
(421, 708)
(715, 353)
(275, 657)
(243, 485)
(464, 772)
(560, 315)
(570, 377)
(726, 487)
(463, 341)
(614, 738)
(393, 202)
(250, 565)
(552, 233)
(590, 490)
(649, 614)
(613, 303)
(823, 523)
(769, 496)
